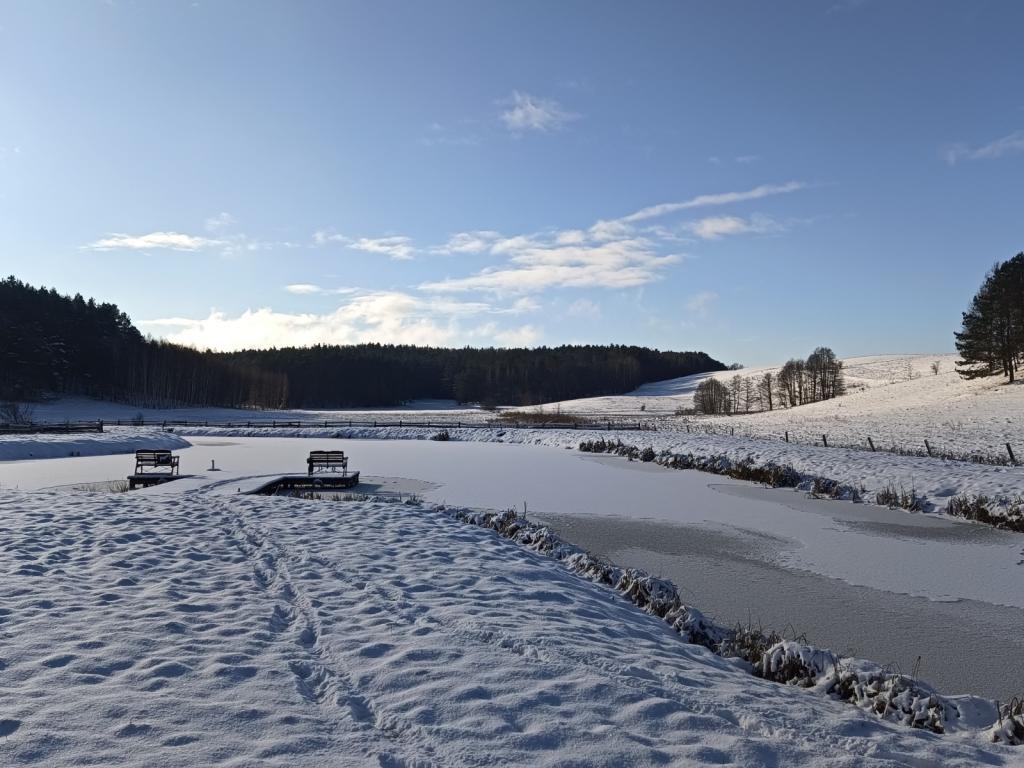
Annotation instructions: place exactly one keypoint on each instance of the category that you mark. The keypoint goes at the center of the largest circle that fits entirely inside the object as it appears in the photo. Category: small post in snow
(824, 440)
(927, 447)
(787, 435)
(1009, 450)
(871, 443)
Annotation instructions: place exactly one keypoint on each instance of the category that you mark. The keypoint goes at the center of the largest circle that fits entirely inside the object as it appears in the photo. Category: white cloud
(610, 254)
(715, 227)
(309, 289)
(398, 248)
(391, 317)
(530, 113)
(535, 266)
(723, 198)
(746, 159)
(172, 240)
(302, 289)
(469, 242)
(524, 305)
(323, 237)
(1010, 144)
(701, 302)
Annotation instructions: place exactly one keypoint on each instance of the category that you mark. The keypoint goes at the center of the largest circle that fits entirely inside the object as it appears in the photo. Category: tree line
(991, 338)
(52, 344)
(798, 382)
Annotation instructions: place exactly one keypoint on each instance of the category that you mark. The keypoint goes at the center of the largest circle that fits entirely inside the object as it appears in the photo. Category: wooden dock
(324, 481)
(148, 479)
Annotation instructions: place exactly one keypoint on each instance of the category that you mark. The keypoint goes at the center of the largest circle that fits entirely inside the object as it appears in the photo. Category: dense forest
(52, 344)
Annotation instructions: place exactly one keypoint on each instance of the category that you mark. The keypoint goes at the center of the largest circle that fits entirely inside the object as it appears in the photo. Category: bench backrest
(326, 456)
(159, 456)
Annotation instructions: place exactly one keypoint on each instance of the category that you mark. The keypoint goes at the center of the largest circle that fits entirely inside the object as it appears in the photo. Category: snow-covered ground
(718, 538)
(207, 628)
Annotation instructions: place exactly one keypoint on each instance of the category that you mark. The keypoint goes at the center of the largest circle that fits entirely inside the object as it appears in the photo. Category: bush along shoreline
(998, 512)
(890, 695)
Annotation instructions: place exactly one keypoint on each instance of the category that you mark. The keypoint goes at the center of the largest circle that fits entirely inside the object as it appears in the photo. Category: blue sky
(750, 179)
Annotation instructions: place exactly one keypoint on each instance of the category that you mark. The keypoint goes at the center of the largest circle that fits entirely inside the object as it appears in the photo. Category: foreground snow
(211, 629)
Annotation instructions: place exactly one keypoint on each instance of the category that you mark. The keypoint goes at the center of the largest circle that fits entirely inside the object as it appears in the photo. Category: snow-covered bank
(112, 440)
(234, 630)
(891, 696)
(936, 480)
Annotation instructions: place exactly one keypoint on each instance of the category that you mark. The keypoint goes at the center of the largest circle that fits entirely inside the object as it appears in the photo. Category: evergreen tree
(991, 338)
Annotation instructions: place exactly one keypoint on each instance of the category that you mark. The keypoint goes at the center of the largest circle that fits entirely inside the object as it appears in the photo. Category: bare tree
(712, 397)
(16, 413)
(766, 388)
(935, 367)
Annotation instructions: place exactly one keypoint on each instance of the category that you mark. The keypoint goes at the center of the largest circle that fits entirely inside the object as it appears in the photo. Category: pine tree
(991, 339)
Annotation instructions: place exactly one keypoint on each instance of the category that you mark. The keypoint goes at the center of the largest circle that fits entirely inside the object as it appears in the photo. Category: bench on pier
(157, 459)
(327, 460)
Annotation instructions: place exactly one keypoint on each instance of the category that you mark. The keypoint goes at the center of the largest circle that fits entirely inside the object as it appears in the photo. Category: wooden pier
(147, 479)
(326, 481)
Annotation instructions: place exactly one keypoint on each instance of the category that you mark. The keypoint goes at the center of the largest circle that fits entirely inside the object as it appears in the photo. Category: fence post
(1009, 450)
(871, 443)
(787, 435)
(824, 440)
(927, 447)
(732, 431)
(687, 429)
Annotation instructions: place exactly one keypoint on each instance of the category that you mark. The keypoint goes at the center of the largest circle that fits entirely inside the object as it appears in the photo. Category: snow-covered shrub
(647, 454)
(442, 436)
(1010, 728)
(1001, 512)
(795, 664)
(889, 695)
(891, 496)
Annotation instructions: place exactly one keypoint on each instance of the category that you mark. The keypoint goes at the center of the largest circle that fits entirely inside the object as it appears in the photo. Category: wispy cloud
(715, 227)
(535, 265)
(398, 248)
(220, 222)
(1010, 144)
(385, 316)
(175, 241)
(612, 253)
(309, 289)
(722, 198)
(531, 113)
(477, 241)
(221, 238)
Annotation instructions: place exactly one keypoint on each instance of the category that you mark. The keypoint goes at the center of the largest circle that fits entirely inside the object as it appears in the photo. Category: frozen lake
(879, 583)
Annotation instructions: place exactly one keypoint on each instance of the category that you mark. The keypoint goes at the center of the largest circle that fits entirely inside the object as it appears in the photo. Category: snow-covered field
(214, 629)
(895, 400)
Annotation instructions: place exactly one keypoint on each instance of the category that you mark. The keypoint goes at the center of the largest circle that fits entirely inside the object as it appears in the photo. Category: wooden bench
(327, 460)
(158, 459)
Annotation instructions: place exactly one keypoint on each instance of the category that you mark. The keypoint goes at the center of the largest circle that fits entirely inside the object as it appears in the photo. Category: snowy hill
(894, 399)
